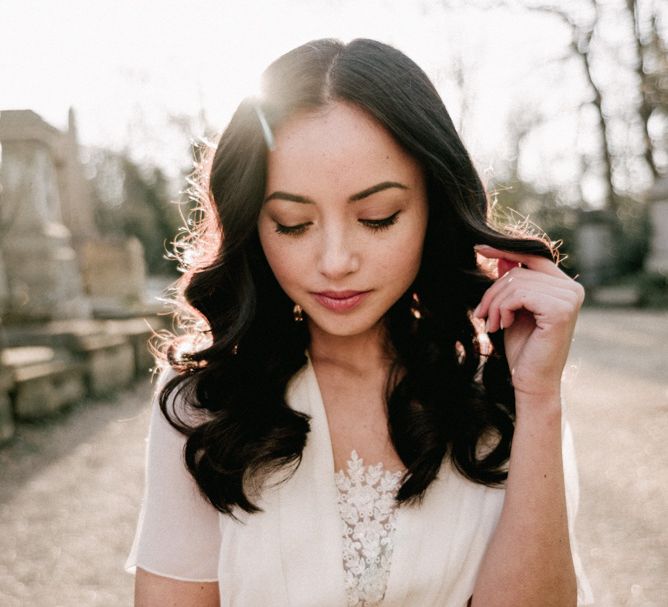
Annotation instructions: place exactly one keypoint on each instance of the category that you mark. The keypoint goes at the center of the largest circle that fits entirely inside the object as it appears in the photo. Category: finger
(525, 277)
(534, 262)
(501, 316)
(548, 307)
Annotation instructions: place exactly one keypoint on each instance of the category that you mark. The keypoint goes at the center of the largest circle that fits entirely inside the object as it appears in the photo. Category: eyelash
(381, 224)
(374, 224)
(291, 230)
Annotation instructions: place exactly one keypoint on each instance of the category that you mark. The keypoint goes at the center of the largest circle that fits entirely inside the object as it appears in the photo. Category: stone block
(594, 247)
(657, 260)
(59, 335)
(115, 351)
(114, 271)
(4, 287)
(110, 362)
(144, 359)
(138, 332)
(6, 414)
(24, 356)
(46, 387)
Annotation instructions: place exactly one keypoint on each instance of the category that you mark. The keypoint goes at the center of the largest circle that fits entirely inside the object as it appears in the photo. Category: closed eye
(381, 224)
(294, 230)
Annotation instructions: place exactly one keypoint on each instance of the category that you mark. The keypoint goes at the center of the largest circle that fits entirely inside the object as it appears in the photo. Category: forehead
(339, 146)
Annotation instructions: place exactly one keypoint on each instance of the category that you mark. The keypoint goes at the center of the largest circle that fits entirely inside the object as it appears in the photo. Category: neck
(360, 353)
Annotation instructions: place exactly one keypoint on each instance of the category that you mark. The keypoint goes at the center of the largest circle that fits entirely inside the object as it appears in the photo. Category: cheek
(405, 256)
(404, 264)
(280, 259)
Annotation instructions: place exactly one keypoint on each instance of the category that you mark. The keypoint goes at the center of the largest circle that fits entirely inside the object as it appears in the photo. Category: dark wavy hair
(242, 345)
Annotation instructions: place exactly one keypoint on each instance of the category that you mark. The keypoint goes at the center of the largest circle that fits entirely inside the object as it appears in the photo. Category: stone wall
(45, 368)
(54, 264)
(41, 277)
(114, 271)
(56, 275)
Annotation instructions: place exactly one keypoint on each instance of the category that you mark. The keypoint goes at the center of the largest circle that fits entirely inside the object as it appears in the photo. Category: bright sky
(127, 65)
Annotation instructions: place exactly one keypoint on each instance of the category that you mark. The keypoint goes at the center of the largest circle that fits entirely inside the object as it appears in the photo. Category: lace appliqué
(368, 510)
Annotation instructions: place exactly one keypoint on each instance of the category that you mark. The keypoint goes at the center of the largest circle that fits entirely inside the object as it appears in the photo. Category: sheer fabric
(369, 514)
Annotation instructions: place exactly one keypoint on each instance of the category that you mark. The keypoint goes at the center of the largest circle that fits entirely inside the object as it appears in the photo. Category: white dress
(324, 537)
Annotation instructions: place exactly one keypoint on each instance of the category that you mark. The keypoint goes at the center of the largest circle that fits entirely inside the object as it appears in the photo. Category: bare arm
(529, 561)
(157, 591)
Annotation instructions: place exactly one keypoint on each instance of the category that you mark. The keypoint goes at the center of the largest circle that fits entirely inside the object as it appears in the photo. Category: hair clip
(266, 129)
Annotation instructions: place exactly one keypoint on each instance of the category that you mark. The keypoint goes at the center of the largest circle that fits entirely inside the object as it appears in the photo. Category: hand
(536, 305)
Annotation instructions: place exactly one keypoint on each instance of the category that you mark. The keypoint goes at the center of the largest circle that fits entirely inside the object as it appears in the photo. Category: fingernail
(487, 326)
(476, 311)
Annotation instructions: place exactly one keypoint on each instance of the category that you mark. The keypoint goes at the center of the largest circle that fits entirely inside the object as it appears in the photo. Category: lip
(340, 301)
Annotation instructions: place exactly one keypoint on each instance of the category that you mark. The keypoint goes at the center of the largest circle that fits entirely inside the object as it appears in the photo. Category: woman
(351, 434)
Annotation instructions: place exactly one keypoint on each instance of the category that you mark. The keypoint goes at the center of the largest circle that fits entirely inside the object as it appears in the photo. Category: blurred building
(53, 262)
(657, 199)
(72, 301)
(40, 269)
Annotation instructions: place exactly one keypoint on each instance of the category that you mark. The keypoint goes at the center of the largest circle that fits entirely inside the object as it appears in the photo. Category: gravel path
(70, 488)
(617, 390)
(68, 505)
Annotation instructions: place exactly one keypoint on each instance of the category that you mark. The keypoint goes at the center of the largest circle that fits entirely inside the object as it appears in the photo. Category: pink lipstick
(340, 301)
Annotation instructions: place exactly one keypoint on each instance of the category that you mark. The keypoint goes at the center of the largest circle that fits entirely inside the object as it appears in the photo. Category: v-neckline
(321, 403)
(402, 562)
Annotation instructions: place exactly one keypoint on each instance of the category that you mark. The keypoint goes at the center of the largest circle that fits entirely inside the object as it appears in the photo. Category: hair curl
(243, 345)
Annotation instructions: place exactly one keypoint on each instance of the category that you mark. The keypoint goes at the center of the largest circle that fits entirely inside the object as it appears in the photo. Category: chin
(345, 327)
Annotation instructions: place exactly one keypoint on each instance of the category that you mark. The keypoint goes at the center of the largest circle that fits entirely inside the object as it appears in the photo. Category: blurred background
(564, 109)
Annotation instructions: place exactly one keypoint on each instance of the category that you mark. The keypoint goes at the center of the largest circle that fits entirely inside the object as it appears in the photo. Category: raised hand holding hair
(536, 304)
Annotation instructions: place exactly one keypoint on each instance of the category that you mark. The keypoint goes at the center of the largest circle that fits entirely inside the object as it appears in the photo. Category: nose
(338, 256)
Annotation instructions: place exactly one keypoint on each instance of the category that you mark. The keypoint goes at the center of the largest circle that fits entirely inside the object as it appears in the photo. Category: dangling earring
(415, 307)
(297, 313)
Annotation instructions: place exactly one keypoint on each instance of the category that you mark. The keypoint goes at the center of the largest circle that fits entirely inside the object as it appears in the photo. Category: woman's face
(344, 218)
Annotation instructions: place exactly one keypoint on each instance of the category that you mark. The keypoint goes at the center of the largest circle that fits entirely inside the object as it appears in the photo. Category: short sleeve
(178, 532)
(571, 482)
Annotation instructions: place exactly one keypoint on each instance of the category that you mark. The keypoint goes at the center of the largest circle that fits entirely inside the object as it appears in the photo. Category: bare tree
(586, 22)
(582, 32)
(651, 69)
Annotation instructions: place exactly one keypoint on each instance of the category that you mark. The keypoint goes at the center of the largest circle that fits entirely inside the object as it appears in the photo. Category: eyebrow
(374, 189)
